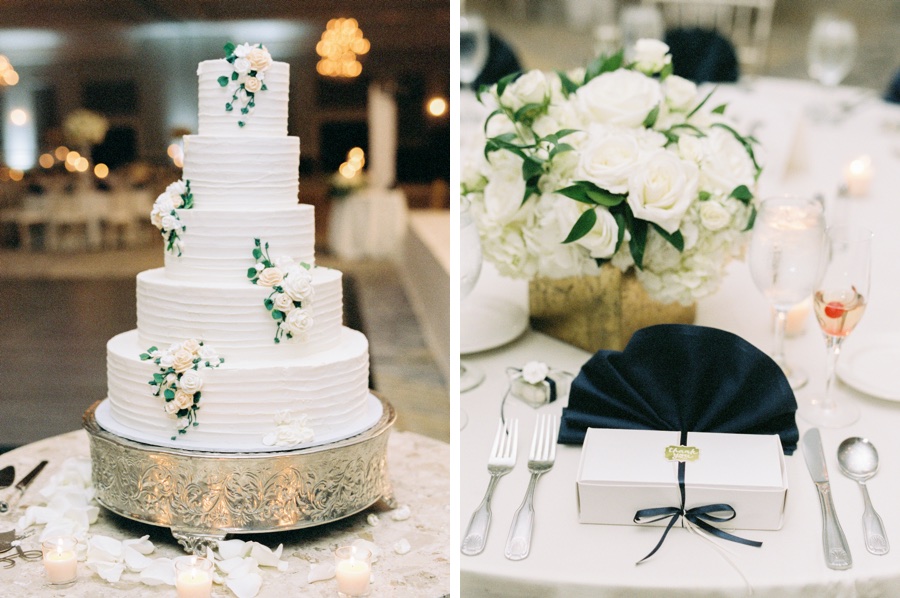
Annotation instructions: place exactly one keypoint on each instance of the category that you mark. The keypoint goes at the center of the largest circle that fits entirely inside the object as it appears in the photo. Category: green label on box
(682, 453)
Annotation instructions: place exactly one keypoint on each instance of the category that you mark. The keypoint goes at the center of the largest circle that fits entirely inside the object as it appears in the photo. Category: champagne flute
(839, 302)
(787, 251)
(830, 54)
(470, 260)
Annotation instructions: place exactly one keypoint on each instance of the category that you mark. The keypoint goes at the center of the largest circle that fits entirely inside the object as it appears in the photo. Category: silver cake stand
(204, 496)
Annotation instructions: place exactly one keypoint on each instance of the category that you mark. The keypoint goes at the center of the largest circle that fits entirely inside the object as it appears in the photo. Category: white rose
(608, 158)
(691, 148)
(651, 55)
(170, 222)
(190, 381)
(505, 189)
(289, 432)
(156, 217)
(283, 302)
(298, 285)
(241, 65)
(601, 239)
(252, 84)
(167, 360)
(171, 379)
(207, 353)
(177, 188)
(530, 88)
(177, 200)
(260, 59)
(164, 203)
(534, 372)
(191, 345)
(270, 277)
(726, 163)
(242, 50)
(183, 399)
(620, 97)
(182, 360)
(171, 408)
(681, 93)
(285, 263)
(714, 216)
(663, 190)
(298, 321)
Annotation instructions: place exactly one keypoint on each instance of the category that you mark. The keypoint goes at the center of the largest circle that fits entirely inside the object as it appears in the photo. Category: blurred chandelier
(341, 43)
(8, 75)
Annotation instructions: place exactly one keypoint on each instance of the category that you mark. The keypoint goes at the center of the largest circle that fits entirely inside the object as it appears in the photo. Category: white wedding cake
(239, 342)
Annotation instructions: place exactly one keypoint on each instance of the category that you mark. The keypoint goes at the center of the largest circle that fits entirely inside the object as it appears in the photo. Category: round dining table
(568, 559)
(419, 469)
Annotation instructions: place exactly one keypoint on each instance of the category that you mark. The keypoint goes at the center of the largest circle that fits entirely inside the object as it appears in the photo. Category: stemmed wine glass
(469, 270)
(830, 54)
(839, 302)
(787, 256)
(473, 47)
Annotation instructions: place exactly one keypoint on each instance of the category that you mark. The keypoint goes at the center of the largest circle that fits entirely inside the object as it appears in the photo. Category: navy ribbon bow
(699, 516)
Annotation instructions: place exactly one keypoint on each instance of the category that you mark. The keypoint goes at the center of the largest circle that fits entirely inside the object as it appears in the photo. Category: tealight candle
(797, 317)
(858, 176)
(193, 577)
(353, 570)
(60, 561)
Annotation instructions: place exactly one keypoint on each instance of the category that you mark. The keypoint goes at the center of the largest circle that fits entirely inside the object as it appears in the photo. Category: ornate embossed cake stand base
(204, 496)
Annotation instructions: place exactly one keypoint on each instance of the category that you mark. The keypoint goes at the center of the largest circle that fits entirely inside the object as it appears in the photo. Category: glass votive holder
(353, 570)
(60, 560)
(193, 577)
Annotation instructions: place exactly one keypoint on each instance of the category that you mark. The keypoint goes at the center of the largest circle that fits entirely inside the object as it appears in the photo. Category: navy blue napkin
(682, 377)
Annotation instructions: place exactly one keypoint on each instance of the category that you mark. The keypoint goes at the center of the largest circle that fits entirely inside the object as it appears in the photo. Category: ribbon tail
(714, 531)
(672, 521)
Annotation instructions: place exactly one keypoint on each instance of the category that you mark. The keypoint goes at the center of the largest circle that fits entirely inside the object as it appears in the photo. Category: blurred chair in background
(702, 55)
(893, 91)
(501, 61)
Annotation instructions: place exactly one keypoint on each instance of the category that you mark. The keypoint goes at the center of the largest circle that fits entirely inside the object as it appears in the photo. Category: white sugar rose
(183, 399)
(164, 203)
(681, 93)
(260, 59)
(283, 302)
(608, 158)
(270, 277)
(167, 360)
(651, 55)
(663, 189)
(534, 372)
(207, 353)
(298, 321)
(242, 50)
(241, 65)
(505, 189)
(289, 431)
(298, 285)
(191, 345)
(156, 217)
(177, 188)
(714, 216)
(530, 88)
(170, 222)
(619, 97)
(252, 84)
(182, 360)
(190, 381)
(171, 408)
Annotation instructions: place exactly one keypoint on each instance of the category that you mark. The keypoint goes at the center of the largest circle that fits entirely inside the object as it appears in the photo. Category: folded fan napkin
(682, 377)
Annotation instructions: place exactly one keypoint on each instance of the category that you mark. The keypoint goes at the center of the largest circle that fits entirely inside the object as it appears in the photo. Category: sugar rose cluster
(620, 162)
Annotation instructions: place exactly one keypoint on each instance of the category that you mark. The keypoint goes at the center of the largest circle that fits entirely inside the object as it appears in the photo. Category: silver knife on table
(21, 487)
(837, 552)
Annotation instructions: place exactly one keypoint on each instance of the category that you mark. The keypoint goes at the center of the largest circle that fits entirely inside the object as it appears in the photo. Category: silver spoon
(859, 461)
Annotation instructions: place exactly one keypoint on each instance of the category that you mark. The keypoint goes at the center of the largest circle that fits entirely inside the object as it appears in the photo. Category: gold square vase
(599, 312)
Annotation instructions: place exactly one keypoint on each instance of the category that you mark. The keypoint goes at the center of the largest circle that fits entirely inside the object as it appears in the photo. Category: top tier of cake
(268, 118)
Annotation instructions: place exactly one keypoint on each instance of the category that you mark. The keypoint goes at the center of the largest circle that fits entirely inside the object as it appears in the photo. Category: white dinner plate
(872, 366)
(489, 322)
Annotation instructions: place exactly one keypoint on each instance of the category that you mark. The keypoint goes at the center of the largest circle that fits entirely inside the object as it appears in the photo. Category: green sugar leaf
(264, 88)
(257, 253)
(234, 76)
(277, 314)
(223, 80)
(229, 48)
(229, 107)
(240, 123)
(245, 110)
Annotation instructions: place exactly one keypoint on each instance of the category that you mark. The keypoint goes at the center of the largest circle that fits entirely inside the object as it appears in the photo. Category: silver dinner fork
(540, 461)
(500, 463)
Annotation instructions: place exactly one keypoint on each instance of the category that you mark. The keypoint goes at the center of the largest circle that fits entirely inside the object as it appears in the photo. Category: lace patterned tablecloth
(420, 472)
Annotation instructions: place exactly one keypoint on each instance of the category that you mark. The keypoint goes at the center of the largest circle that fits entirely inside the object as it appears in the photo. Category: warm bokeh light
(72, 157)
(82, 165)
(437, 106)
(46, 160)
(8, 75)
(18, 117)
(341, 43)
(61, 152)
(356, 157)
(69, 166)
(101, 171)
(173, 150)
(348, 170)
(16, 175)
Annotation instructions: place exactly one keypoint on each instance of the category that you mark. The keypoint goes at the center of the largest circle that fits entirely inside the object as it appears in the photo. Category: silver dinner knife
(837, 553)
(21, 487)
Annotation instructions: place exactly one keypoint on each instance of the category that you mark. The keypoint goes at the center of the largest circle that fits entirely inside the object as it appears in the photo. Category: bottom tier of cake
(261, 405)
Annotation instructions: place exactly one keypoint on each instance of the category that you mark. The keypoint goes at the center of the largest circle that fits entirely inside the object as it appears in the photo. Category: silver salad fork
(540, 461)
(500, 463)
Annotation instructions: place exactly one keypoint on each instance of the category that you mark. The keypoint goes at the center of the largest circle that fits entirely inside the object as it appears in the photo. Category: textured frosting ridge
(241, 400)
(218, 243)
(242, 173)
(269, 117)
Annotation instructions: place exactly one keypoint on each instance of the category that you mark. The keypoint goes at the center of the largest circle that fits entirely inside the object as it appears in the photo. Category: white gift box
(624, 471)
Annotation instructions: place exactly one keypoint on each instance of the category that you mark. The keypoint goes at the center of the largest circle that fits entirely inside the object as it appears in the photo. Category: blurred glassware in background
(639, 22)
(473, 47)
(830, 54)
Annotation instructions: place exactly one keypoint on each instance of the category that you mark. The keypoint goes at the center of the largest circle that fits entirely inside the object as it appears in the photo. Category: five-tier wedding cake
(239, 343)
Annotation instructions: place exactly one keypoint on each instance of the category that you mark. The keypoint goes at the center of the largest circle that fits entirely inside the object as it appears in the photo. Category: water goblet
(839, 302)
(787, 256)
(830, 54)
(470, 260)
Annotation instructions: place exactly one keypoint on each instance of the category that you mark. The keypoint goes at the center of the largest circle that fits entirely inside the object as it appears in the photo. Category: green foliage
(582, 226)
(223, 80)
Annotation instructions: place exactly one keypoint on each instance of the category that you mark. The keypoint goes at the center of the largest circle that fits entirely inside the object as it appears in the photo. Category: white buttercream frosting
(241, 399)
(232, 317)
(218, 244)
(243, 173)
(269, 116)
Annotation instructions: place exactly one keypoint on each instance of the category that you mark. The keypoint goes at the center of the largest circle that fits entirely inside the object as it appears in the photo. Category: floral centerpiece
(85, 127)
(620, 163)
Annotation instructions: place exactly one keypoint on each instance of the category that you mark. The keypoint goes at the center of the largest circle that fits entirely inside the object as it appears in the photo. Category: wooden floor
(58, 311)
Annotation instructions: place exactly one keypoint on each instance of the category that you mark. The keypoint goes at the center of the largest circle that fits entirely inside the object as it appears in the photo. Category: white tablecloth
(368, 223)
(573, 560)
